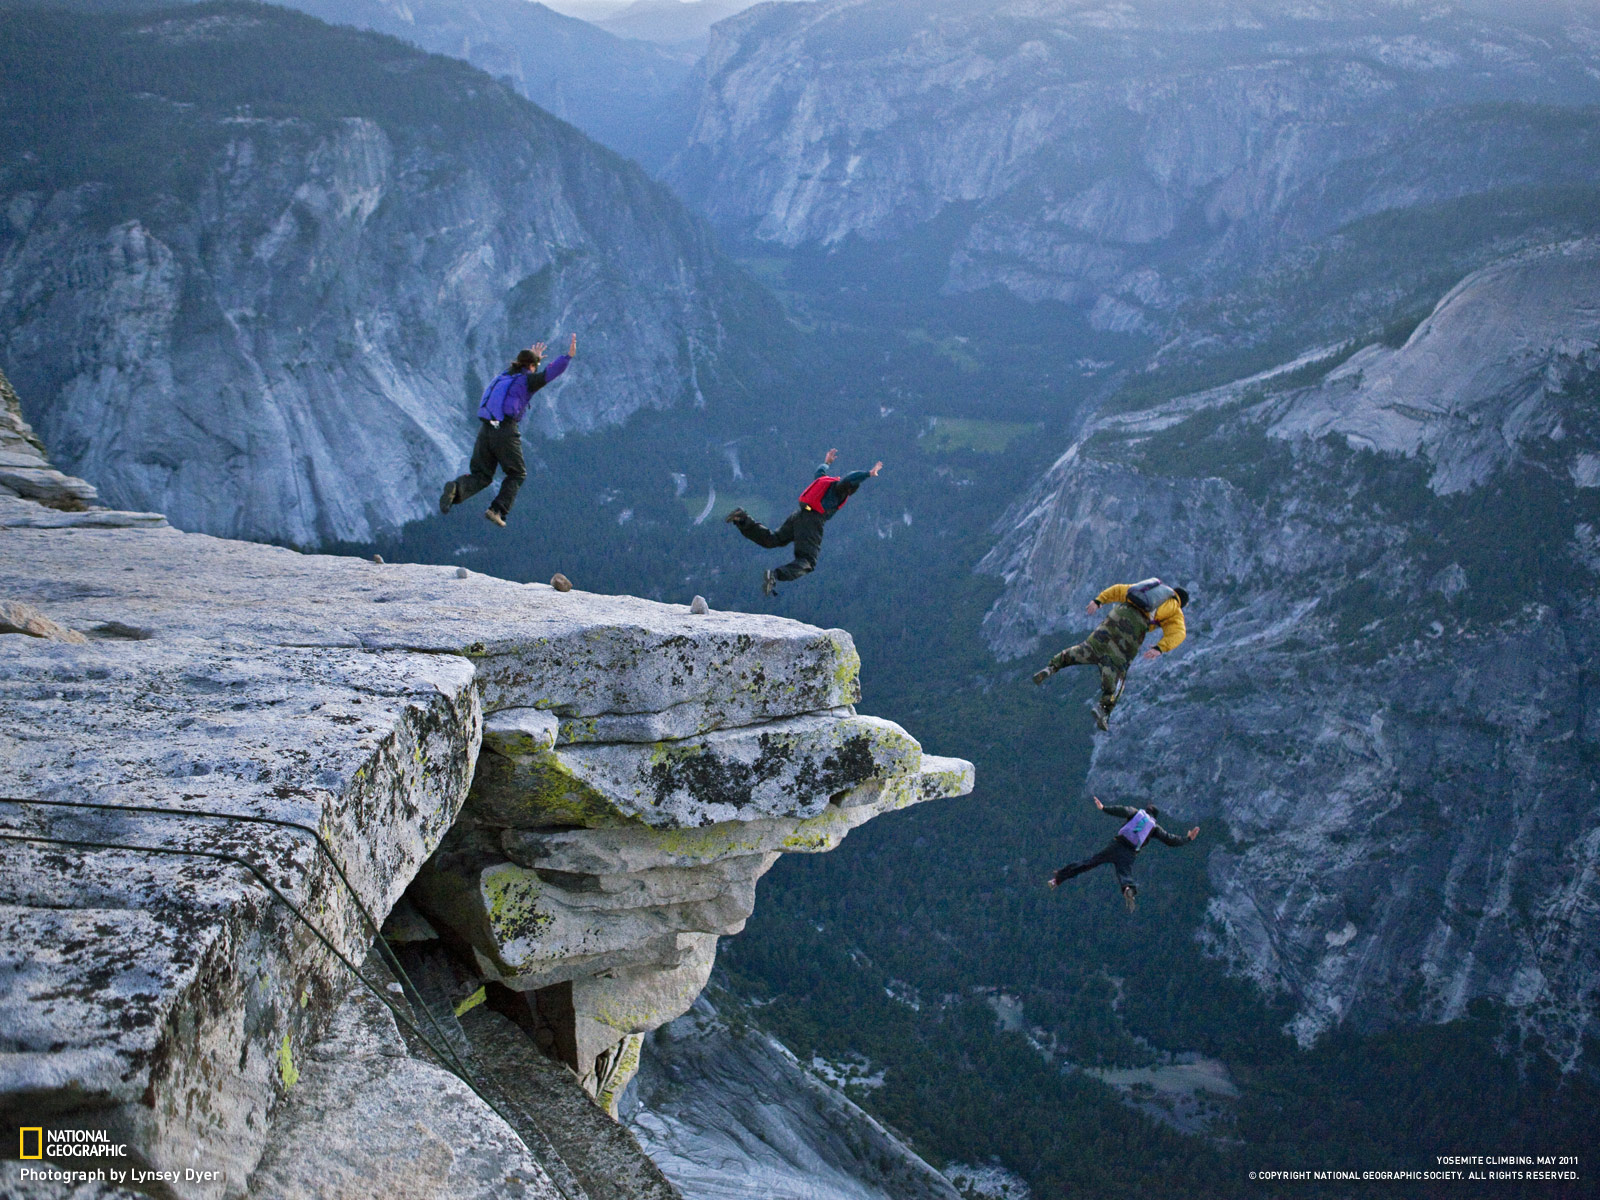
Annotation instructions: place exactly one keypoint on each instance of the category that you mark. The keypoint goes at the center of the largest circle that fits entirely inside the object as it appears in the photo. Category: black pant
(803, 528)
(496, 447)
(1119, 854)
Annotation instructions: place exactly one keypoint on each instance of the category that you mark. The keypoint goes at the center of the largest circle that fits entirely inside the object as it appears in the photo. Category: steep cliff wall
(234, 755)
(729, 1112)
(243, 251)
(1123, 158)
(1387, 698)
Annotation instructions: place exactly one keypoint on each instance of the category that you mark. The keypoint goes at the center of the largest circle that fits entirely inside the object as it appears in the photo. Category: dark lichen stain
(711, 779)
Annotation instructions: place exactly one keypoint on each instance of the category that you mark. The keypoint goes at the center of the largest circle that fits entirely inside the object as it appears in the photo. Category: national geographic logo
(40, 1143)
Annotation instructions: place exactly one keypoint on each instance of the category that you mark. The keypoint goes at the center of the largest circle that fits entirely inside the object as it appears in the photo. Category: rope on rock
(446, 1056)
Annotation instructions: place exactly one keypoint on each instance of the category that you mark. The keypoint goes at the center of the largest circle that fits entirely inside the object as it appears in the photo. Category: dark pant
(496, 447)
(803, 528)
(1119, 854)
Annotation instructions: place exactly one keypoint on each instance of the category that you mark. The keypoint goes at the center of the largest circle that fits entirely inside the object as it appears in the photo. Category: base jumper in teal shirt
(824, 497)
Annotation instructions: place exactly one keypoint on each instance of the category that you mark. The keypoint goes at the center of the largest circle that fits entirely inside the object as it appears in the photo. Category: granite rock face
(730, 1113)
(248, 753)
(1125, 158)
(338, 1134)
(1478, 385)
(332, 280)
(1385, 699)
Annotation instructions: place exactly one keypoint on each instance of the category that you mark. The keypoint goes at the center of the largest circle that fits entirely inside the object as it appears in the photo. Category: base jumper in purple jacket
(499, 442)
(1139, 828)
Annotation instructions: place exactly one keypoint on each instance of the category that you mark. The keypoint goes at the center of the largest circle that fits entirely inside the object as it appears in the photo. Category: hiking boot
(491, 515)
(735, 516)
(1102, 715)
(1130, 899)
(769, 584)
(449, 497)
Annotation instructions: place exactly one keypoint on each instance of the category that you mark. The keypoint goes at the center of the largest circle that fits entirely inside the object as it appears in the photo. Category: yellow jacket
(1169, 616)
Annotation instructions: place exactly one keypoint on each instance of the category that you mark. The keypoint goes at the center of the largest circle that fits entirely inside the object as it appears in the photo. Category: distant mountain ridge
(1126, 160)
(620, 92)
(255, 268)
(671, 22)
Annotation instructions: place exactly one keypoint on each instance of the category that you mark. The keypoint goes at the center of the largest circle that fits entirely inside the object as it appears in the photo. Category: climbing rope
(385, 952)
(446, 1055)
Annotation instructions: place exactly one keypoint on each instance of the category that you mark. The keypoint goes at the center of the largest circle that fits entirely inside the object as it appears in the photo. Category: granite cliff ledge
(579, 792)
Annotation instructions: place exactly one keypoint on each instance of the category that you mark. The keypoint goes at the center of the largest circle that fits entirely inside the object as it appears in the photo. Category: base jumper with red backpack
(824, 496)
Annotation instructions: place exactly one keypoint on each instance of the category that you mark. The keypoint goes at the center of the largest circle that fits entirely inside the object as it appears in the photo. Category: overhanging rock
(233, 761)
(785, 768)
(169, 995)
(621, 915)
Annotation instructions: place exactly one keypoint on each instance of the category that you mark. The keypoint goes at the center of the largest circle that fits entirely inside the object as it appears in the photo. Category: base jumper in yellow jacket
(1134, 609)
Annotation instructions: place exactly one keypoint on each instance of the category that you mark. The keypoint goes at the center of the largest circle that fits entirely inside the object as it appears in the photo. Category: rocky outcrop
(1479, 386)
(216, 796)
(1385, 699)
(1122, 159)
(321, 266)
(33, 494)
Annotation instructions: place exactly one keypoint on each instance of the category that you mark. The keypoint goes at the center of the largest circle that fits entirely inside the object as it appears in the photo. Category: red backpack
(812, 497)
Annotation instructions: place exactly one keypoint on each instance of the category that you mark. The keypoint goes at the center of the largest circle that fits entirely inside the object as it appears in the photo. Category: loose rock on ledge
(22, 618)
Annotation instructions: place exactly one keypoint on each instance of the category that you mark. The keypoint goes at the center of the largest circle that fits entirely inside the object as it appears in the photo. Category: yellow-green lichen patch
(579, 729)
(511, 900)
(287, 1071)
(847, 672)
(532, 790)
(666, 753)
(472, 1001)
(818, 834)
(621, 1070)
(707, 843)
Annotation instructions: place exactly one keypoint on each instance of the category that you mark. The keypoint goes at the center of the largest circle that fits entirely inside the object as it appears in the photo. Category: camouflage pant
(1111, 647)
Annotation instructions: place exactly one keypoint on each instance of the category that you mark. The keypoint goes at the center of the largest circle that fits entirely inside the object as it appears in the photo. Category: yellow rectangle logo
(38, 1143)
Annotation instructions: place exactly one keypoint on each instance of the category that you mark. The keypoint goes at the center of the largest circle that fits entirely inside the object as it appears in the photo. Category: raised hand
(538, 349)
(1194, 833)
(830, 456)
(876, 467)
(573, 352)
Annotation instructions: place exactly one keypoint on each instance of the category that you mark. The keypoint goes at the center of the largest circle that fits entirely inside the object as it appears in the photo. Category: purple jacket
(507, 396)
